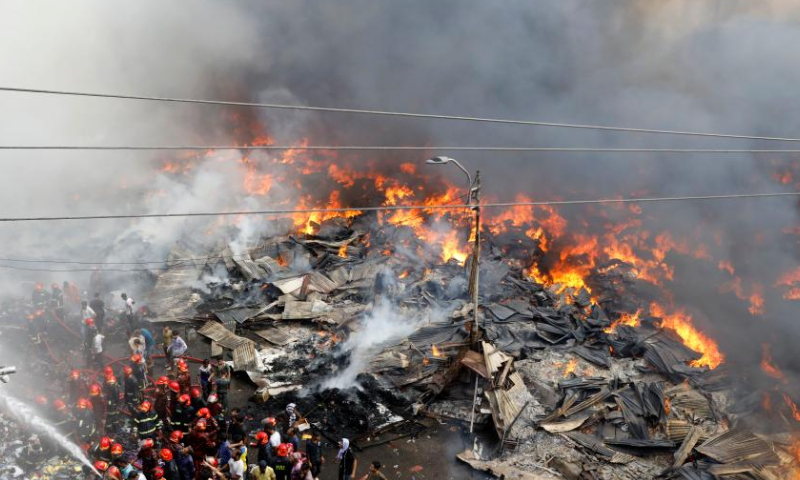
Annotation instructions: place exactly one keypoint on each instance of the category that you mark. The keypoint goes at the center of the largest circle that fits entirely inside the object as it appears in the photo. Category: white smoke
(381, 326)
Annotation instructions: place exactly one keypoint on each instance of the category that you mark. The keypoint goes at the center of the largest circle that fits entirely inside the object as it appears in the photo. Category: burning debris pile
(582, 371)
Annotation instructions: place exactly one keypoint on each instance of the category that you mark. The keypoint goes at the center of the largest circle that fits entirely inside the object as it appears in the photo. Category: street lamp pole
(474, 199)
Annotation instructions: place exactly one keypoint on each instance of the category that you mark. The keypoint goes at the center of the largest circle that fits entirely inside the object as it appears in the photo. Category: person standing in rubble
(98, 406)
(139, 370)
(129, 314)
(222, 383)
(39, 296)
(97, 349)
(111, 392)
(131, 388)
(204, 373)
(177, 348)
(166, 341)
(84, 419)
(314, 452)
(89, 332)
(76, 386)
(149, 342)
(57, 301)
(99, 308)
(347, 461)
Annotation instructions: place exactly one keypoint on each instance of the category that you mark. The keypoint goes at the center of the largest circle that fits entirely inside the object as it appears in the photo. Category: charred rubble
(569, 390)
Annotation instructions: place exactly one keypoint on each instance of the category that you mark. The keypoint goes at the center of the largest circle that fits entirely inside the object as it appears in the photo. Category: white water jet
(26, 416)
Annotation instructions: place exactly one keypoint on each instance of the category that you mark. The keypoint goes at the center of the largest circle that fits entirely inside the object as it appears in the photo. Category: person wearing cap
(102, 451)
(76, 386)
(111, 393)
(182, 415)
(262, 471)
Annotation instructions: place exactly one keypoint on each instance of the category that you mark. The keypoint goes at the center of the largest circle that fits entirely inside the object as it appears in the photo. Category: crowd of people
(177, 426)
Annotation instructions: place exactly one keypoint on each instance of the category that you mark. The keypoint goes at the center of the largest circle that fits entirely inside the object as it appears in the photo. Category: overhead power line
(399, 148)
(278, 106)
(278, 212)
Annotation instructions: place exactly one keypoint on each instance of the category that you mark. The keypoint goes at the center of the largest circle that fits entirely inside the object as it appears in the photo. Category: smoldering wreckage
(372, 341)
(576, 383)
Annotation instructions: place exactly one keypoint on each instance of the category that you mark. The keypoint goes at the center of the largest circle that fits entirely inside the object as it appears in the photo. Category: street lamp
(474, 202)
(445, 161)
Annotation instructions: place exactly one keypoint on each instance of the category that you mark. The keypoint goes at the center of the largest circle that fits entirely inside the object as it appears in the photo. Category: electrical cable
(403, 207)
(397, 114)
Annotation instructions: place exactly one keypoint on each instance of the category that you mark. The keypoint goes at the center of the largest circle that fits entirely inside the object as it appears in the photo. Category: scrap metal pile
(577, 384)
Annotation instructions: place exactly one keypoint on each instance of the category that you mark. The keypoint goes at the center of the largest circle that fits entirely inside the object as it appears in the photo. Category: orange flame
(681, 323)
(629, 319)
(435, 351)
(766, 363)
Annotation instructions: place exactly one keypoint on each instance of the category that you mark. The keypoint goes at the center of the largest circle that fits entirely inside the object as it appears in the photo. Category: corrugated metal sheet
(225, 338)
(244, 356)
(238, 314)
(739, 445)
(277, 336)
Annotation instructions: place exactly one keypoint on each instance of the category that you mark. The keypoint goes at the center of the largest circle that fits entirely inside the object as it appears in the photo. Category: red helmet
(41, 400)
(127, 370)
(94, 390)
(105, 443)
(183, 367)
(164, 380)
(136, 358)
(283, 450)
(100, 466)
(270, 421)
(204, 412)
(176, 436)
(196, 392)
(212, 461)
(201, 424)
(147, 443)
(114, 473)
(82, 404)
(117, 449)
(165, 454)
(175, 386)
(184, 399)
(59, 404)
(89, 321)
(262, 438)
(213, 398)
(112, 379)
(108, 371)
(145, 406)
(75, 374)
(158, 473)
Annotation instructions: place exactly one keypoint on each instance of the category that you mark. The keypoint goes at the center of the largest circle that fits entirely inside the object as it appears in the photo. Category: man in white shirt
(236, 466)
(97, 349)
(129, 316)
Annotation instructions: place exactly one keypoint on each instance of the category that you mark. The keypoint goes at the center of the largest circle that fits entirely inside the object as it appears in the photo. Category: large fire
(569, 251)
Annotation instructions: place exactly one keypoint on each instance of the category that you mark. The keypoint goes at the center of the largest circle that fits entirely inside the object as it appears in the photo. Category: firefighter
(39, 297)
(146, 422)
(197, 398)
(111, 392)
(139, 369)
(102, 451)
(113, 473)
(201, 443)
(212, 427)
(131, 388)
(98, 406)
(76, 387)
(148, 457)
(184, 377)
(116, 452)
(216, 408)
(84, 417)
(170, 466)
(182, 415)
(62, 417)
(101, 466)
(162, 400)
